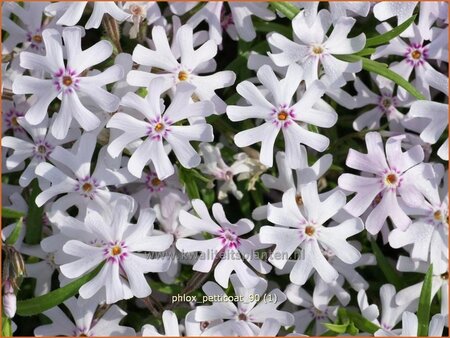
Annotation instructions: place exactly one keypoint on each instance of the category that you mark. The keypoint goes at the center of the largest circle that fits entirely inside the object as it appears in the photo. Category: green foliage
(423, 313)
(388, 36)
(286, 8)
(386, 267)
(34, 218)
(14, 235)
(6, 327)
(9, 213)
(37, 305)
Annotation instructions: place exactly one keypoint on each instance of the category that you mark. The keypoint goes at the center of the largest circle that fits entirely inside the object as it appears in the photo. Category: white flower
(117, 243)
(140, 11)
(70, 12)
(42, 270)
(417, 55)
(237, 21)
(28, 30)
(189, 69)
(435, 113)
(391, 181)
(410, 326)
(250, 308)
(83, 321)
(226, 246)
(167, 214)
(280, 114)
(170, 323)
(285, 180)
(66, 81)
(305, 229)
(9, 299)
(337, 9)
(12, 111)
(160, 125)
(383, 104)
(38, 147)
(390, 311)
(150, 190)
(428, 234)
(214, 165)
(311, 46)
(318, 311)
(71, 174)
(439, 282)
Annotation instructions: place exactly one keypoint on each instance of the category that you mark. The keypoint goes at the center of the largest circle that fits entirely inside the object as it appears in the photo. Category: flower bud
(9, 300)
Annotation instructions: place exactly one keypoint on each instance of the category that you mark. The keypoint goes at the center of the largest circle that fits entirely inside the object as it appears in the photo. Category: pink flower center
(282, 117)
(229, 238)
(115, 251)
(87, 187)
(66, 80)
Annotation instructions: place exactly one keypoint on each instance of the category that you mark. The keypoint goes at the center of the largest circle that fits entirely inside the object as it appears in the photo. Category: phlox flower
(391, 312)
(439, 282)
(37, 147)
(225, 246)
(167, 215)
(428, 234)
(435, 113)
(28, 30)
(161, 124)
(410, 326)
(319, 312)
(312, 47)
(416, 54)
(140, 11)
(84, 323)
(12, 111)
(117, 244)
(287, 180)
(170, 323)
(71, 174)
(304, 228)
(214, 165)
(279, 113)
(236, 21)
(382, 104)
(390, 178)
(149, 190)
(70, 12)
(338, 10)
(67, 81)
(241, 319)
(190, 68)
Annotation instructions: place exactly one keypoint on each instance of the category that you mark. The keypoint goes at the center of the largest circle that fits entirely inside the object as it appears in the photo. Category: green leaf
(366, 51)
(14, 235)
(268, 27)
(338, 328)
(6, 327)
(286, 8)
(34, 218)
(362, 323)
(165, 288)
(37, 305)
(189, 182)
(423, 312)
(10, 213)
(386, 267)
(378, 68)
(388, 36)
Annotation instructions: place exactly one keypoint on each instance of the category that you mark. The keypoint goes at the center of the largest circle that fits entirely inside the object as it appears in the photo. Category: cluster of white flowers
(138, 142)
